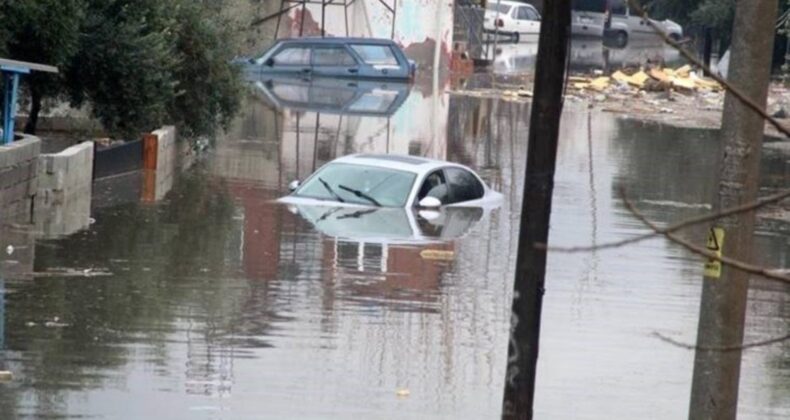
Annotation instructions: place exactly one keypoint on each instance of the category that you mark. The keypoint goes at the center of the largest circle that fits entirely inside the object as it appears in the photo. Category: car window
(340, 181)
(374, 102)
(464, 185)
(618, 7)
(522, 13)
(532, 14)
(376, 55)
(332, 56)
(501, 8)
(435, 186)
(291, 93)
(293, 56)
(332, 96)
(595, 6)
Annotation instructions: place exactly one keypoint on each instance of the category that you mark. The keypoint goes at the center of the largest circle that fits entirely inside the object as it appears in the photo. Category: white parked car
(368, 180)
(511, 18)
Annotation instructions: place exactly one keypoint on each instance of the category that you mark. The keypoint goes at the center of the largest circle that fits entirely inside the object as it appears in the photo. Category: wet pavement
(222, 304)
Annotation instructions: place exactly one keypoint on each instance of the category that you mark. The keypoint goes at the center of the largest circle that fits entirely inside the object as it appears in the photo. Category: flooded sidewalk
(224, 304)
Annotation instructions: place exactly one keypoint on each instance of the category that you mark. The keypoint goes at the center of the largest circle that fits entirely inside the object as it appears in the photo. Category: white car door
(533, 21)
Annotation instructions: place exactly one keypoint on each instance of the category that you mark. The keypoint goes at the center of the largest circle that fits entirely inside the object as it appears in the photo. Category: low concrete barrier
(65, 182)
(163, 155)
(18, 179)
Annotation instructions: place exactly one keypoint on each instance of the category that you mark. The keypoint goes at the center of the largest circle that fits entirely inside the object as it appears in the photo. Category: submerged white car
(369, 180)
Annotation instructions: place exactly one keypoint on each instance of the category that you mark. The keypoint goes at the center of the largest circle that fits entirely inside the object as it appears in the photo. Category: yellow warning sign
(715, 245)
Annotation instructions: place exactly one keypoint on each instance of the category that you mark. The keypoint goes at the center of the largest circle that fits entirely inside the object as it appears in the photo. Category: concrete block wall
(160, 169)
(63, 201)
(18, 179)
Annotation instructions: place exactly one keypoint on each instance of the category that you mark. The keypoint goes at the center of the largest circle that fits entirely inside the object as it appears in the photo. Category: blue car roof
(336, 40)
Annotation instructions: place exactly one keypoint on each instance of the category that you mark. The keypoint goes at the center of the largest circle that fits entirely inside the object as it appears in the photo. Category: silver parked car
(368, 58)
(367, 180)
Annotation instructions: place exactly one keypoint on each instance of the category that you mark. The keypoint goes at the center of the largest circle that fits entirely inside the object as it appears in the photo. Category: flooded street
(223, 304)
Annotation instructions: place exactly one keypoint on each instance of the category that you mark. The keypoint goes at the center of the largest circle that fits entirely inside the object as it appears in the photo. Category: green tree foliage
(714, 14)
(44, 31)
(136, 64)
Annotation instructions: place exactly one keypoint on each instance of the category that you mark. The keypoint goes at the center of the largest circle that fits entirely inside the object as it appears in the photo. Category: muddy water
(222, 304)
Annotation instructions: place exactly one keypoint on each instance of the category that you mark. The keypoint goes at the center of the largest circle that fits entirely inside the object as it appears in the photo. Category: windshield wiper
(360, 194)
(331, 191)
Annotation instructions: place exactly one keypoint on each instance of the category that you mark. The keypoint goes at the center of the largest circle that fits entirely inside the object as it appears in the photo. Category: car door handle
(353, 71)
(306, 71)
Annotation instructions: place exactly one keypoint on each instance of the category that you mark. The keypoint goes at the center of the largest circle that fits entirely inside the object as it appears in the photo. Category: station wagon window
(376, 55)
(293, 56)
(332, 56)
(464, 185)
(336, 97)
(374, 102)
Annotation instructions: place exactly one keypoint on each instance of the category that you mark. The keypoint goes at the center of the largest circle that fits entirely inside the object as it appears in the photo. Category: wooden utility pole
(714, 393)
(544, 130)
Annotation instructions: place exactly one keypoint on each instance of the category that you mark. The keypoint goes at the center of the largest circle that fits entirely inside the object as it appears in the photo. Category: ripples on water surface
(225, 305)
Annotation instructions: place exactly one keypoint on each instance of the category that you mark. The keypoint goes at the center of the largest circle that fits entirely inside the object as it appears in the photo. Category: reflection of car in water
(511, 17)
(356, 58)
(334, 96)
(515, 57)
(367, 180)
(587, 54)
(615, 20)
(390, 225)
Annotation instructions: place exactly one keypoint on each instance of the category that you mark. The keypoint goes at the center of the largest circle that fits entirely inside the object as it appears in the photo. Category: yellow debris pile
(654, 79)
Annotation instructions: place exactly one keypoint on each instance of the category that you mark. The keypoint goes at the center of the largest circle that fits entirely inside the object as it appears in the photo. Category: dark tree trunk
(35, 109)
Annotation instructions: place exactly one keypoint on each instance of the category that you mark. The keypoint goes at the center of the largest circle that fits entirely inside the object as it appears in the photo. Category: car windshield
(501, 8)
(359, 184)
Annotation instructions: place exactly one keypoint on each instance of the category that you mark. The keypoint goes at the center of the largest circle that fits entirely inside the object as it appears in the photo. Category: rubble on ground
(679, 96)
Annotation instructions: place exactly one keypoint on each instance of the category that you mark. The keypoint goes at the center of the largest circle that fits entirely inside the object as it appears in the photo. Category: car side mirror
(294, 185)
(251, 61)
(430, 203)
(269, 62)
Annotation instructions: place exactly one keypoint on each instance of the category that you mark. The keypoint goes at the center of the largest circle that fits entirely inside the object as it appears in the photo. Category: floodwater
(222, 304)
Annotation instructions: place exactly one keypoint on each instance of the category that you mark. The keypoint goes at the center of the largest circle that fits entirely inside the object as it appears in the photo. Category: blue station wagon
(368, 58)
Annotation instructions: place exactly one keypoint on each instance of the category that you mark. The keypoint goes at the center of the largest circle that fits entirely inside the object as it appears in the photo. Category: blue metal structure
(11, 71)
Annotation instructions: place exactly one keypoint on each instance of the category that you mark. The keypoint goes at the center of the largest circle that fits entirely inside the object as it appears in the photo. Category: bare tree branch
(771, 199)
(771, 274)
(723, 349)
(689, 56)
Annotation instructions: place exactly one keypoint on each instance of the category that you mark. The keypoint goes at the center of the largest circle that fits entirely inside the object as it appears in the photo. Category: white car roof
(511, 3)
(413, 164)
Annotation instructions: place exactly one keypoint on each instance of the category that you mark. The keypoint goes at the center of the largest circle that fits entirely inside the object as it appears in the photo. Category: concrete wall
(63, 200)
(171, 157)
(18, 179)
